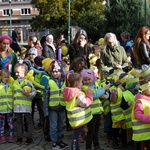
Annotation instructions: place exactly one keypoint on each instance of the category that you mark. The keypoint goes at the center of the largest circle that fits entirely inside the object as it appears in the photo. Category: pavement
(41, 144)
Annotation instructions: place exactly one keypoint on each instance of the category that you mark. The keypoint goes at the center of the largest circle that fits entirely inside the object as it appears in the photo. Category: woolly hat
(47, 62)
(38, 60)
(145, 71)
(56, 66)
(131, 82)
(5, 37)
(33, 50)
(89, 73)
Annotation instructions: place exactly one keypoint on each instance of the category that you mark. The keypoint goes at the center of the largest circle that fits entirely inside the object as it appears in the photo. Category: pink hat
(89, 73)
(5, 37)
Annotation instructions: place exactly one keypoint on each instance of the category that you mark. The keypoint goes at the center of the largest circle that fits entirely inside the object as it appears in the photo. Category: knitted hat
(33, 50)
(145, 71)
(56, 66)
(5, 37)
(131, 82)
(47, 62)
(89, 73)
(38, 60)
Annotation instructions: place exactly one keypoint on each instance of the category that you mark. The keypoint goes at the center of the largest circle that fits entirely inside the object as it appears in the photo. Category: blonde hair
(23, 66)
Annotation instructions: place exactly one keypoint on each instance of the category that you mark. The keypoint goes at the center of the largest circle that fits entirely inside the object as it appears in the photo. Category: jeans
(56, 118)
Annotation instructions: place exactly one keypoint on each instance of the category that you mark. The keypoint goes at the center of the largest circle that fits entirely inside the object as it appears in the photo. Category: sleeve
(124, 105)
(33, 92)
(139, 113)
(46, 100)
(85, 100)
(144, 53)
(124, 57)
(98, 93)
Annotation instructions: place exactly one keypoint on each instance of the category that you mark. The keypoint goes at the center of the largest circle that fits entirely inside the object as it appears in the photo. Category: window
(25, 11)
(6, 12)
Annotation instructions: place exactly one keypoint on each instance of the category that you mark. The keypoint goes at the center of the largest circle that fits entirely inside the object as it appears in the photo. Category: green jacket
(111, 57)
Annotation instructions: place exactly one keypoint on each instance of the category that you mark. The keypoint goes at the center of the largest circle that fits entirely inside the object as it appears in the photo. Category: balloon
(27, 88)
(64, 50)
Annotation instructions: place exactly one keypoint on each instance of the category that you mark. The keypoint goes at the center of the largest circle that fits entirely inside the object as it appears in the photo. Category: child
(6, 107)
(141, 116)
(54, 105)
(89, 79)
(78, 111)
(23, 102)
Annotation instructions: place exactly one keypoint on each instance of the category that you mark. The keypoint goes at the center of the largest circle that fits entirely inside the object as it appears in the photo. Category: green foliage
(121, 15)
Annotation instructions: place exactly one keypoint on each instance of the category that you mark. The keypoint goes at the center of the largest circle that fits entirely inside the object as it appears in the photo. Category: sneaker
(11, 139)
(29, 141)
(2, 140)
(55, 146)
(63, 145)
(19, 141)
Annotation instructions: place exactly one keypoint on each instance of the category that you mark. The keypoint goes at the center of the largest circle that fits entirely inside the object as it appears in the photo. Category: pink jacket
(70, 92)
(139, 110)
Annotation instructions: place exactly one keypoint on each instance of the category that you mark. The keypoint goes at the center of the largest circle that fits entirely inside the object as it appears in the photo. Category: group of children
(85, 98)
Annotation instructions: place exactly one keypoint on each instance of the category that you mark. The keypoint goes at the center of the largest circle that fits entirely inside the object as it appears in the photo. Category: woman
(141, 49)
(49, 48)
(78, 48)
(33, 42)
(8, 58)
(113, 54)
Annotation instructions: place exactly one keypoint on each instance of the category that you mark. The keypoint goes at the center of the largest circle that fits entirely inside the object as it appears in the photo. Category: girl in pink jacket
(141, 116)
(78, 112)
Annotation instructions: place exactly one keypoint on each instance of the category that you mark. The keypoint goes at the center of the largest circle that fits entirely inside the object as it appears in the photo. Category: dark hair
(72, 79)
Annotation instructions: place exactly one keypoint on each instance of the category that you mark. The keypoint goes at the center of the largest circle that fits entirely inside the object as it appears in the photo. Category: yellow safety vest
(6, 98)
(141, 130)
(129, 97)
(56, 96)
(77, 116)
(96, 105)
(19, 97)
(106, 106)
(116, 111)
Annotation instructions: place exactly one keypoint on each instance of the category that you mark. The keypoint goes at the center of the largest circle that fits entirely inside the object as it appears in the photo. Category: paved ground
(41, 144)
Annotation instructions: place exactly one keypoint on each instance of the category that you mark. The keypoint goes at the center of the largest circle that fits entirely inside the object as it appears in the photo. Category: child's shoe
(63, 145)
(11, 139)
(29, 141)
(2, 140)
(19, 141)
(55, 146)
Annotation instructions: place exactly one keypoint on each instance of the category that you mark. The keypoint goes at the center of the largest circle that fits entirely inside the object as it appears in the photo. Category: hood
(69, 93)
(141, 96)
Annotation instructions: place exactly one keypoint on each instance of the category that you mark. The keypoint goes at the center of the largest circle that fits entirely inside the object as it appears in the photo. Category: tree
(121, 15)
(54, 14)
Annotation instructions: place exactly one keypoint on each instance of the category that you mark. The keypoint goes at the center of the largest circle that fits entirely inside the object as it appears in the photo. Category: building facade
(15, 17)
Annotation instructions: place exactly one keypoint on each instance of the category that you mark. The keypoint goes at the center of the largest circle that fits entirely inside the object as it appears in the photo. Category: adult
(33, 42)
(141, 49)
(8, 58)
(49, 47)
(127, 43)
(113, 55)
(78, 48)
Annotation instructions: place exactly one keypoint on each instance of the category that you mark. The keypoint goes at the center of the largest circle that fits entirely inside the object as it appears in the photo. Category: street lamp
(69, 21)
(10, 18)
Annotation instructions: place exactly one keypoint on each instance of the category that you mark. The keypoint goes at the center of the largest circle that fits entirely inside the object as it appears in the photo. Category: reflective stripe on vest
(116, 111)
(6, 98)
(96, 107)
(56, 96)
(77, 116)
(106, 106)
(129, 97)
(19, 97)
(141, 130)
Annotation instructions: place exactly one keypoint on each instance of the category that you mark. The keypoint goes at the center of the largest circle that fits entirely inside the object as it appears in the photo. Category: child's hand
(26, 92)
(104, 96)
(106, 87)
